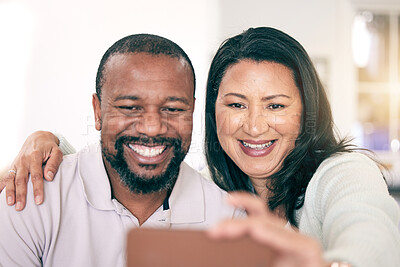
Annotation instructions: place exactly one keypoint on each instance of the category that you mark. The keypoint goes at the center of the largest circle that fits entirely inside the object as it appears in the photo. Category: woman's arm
(40, 156)
(348, 208)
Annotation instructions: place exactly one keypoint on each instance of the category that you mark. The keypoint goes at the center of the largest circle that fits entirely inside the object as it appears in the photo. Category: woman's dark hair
(316, 140)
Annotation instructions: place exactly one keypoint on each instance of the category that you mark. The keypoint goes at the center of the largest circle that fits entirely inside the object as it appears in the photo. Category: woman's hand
(290, 247)
(40, 148)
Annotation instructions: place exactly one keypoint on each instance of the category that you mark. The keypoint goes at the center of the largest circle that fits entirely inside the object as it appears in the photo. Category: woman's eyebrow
(235, 94)
(266, 98)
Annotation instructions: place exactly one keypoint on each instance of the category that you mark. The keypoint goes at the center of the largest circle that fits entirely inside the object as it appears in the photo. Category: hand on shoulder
(39, 157)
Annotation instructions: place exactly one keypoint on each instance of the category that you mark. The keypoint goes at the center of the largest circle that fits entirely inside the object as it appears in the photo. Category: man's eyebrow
(126, 97)
(178, 99)
(169, 99)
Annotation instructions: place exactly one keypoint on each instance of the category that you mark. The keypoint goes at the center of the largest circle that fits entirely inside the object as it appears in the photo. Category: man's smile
(147, 151)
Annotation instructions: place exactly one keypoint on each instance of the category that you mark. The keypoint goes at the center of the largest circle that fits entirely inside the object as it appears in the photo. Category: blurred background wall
(50, 50)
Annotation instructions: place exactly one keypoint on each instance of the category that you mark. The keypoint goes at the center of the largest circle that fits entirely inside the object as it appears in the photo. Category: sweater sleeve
(348, 208)
(65, 146)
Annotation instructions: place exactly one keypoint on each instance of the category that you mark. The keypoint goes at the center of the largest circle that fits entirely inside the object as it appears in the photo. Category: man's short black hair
(141, 43)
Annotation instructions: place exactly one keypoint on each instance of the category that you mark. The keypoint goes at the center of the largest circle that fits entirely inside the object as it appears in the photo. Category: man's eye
(236, 106)
(129, 107)
(275, 106)
(172, 110)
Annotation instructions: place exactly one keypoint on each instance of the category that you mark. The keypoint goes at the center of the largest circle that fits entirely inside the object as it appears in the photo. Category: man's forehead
(147, 66)
(127, 75)
(143, 58)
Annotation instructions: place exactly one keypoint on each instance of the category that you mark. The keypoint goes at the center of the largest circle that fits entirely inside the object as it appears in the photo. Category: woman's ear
(97, 111)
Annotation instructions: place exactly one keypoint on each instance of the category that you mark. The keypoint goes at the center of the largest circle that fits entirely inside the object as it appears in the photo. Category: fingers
(50, 169)
(10, 188)
(286, 242)
(259, 229)
(2, 183)
(230, 229)
(21, 180)
(290, 247)
(37, 178)
(53, 163)
(253, 205)
(38, 148)
(257, 226)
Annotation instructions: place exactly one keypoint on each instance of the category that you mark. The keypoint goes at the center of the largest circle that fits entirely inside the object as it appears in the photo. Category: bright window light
(395, 145)
(361, 39)
(16, 32)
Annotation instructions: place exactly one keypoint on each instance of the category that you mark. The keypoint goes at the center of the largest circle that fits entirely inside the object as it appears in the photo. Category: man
(143, 106)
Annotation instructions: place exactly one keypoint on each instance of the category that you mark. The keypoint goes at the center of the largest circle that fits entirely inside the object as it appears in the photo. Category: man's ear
(97, 111)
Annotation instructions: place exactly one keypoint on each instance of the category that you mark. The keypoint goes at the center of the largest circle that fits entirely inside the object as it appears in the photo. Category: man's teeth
(147, 151)
(258, 146)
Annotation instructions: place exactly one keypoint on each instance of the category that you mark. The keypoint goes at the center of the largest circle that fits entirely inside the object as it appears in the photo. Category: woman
(269, 131)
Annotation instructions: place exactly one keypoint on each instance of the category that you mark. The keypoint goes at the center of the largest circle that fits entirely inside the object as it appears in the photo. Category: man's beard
(143, 184)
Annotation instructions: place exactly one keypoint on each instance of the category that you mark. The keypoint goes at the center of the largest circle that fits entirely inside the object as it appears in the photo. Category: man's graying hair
(141, 43)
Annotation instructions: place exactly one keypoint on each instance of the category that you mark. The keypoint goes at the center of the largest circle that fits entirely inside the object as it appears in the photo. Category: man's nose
(151, 124)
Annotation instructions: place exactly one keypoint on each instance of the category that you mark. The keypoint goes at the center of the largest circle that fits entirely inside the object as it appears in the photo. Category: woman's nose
(256, 122)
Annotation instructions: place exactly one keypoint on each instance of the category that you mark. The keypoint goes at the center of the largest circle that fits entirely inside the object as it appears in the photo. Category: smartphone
(192, 248)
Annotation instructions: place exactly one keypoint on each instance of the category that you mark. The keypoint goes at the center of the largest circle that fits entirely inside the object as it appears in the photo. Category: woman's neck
(260, 187)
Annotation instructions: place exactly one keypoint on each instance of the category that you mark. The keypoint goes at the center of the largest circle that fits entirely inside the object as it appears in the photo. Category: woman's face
(258, 114)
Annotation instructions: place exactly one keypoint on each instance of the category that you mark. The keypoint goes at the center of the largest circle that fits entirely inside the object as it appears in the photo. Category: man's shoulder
(68, 179)
(87, 159)
(200, 199)
(214, 196)
(207, 184)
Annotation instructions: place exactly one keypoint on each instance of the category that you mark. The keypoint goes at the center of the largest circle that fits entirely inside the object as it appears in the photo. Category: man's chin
(147, 173)
(141, 176)
(146, 178)
(149, 182)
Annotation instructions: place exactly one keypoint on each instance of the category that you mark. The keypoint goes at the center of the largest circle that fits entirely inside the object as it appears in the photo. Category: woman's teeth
(258, 146)
(147, 151)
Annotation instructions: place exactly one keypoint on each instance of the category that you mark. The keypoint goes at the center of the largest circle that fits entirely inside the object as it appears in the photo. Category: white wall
(50, 51)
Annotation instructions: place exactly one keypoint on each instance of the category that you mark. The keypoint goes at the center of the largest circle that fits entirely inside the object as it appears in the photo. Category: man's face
(145, 118)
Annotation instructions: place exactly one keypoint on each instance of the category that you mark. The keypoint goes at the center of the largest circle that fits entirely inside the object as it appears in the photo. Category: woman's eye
(236, 106)
(275, 106)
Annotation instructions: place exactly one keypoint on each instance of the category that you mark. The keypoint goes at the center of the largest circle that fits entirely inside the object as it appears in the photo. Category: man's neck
(142, 206)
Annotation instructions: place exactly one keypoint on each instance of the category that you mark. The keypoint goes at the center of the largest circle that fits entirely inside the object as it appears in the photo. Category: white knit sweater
(349, 210)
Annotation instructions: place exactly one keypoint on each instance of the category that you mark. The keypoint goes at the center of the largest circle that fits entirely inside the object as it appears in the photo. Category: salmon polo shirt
(80, 224)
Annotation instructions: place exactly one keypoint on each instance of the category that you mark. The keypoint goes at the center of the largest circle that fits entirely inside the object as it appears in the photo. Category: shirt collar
(94, 178)
(187, 197)
(186, 201)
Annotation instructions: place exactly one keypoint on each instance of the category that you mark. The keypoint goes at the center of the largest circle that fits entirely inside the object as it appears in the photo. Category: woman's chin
(260, 172)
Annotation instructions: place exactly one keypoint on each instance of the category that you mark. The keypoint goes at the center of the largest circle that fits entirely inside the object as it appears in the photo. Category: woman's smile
(256, 148)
